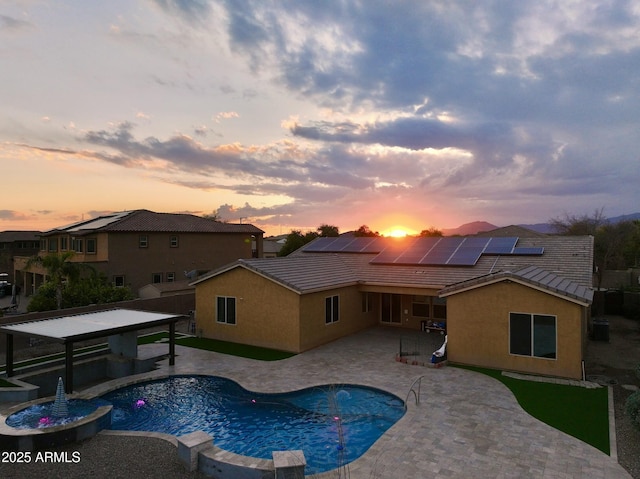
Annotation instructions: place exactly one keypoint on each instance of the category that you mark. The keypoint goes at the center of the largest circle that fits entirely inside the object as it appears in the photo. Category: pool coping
(432, 438)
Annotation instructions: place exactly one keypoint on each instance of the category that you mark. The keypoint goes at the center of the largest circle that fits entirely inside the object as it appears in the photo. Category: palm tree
(60, 270)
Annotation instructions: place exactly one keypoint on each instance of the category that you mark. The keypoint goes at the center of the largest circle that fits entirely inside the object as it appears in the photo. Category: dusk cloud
(295, 110)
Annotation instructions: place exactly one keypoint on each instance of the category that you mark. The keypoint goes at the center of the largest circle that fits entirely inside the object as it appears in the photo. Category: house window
(92, 246)
(143, 241)
(420, 306)
(331, 309)
(118, 281)
(43, 245)
(173, 241)
(439, 308)
(532, 335)
(171, 277)
(53, 245)
(367, 302)
(77, 245)
(64, 243)
(156, 278)
(226, 310)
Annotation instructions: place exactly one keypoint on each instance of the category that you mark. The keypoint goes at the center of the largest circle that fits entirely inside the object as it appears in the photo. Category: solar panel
(418, 250)
(376, 245)
(319, 244)
(386, 257)
(339, 244)
(356, 245)
(475, 242)
(442, 251)
(500, 245)
(466, 256)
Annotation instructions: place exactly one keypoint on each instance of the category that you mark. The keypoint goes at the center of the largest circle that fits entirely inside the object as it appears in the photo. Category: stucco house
(140, 247)
(512, 303)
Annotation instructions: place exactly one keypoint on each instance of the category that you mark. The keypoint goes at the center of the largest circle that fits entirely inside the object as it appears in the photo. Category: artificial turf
(6, 384)
(235, 349)
(580, 412)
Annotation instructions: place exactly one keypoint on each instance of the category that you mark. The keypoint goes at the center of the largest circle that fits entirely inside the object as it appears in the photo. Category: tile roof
(567, 257)
(302, 274)
(530, 275)
(512, 230)
(145, 220)
(11, 236)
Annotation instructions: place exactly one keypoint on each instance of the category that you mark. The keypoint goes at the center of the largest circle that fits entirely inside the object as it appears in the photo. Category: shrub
(632, 408)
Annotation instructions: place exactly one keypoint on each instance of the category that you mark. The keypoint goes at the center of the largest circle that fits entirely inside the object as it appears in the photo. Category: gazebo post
(172, 343)
(68, 383)
(9, 353)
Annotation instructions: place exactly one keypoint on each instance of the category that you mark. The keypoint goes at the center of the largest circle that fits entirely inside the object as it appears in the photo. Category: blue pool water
(333, 424)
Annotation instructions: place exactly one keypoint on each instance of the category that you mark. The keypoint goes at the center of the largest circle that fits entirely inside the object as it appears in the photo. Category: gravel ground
(627, 437)
(107, 457)
(614, 363)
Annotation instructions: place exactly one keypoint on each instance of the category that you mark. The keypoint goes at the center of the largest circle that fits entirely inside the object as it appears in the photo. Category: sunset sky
(291, 114)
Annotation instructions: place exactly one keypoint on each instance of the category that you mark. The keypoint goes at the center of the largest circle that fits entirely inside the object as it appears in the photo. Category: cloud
(13, 24)
(189, 10)
(12, 215)
(225, 115)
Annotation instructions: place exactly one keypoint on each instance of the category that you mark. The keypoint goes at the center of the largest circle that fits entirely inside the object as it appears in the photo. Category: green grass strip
(234, 349)
(6, 384)
(580, 412)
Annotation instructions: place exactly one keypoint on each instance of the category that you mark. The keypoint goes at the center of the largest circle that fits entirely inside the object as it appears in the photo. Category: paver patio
(466, 425)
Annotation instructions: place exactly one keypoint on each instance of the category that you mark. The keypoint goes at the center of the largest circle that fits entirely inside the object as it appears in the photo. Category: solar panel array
(424, 251)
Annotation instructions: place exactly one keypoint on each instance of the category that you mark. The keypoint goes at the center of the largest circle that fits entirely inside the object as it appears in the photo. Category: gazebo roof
(84, 326)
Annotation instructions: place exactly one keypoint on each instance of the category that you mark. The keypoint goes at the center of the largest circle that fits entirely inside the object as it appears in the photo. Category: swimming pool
(332, 424)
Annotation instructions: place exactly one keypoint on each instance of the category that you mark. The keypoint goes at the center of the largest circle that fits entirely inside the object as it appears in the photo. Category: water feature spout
(60, 405)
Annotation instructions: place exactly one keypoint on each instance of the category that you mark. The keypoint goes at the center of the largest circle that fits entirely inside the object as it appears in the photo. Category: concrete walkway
(466, 425)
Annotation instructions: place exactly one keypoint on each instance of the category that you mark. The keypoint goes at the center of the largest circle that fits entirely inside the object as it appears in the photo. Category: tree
(572, 225)
(296, 239)
(432, 231)
(94, 289)
(60, 271)
(616, 245)
(365, 231)
(214, 216)
(328, 231)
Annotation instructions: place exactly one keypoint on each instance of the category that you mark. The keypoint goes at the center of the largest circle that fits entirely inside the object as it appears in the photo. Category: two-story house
(16, 243)
(140, 247)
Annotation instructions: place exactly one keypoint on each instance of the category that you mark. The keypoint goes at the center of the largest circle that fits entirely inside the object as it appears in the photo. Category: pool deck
(466, 424)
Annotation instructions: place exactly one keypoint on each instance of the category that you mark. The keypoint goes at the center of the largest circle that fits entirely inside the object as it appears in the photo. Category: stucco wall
(266, 313)
(314, 330)
(478, 329)
(272, 316)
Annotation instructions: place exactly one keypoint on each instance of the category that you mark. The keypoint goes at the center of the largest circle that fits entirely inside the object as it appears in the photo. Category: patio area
(466, 424)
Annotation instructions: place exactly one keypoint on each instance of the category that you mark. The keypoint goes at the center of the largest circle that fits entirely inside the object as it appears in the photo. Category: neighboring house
(273, 245)
(16, 243)
(511, 303)
(136, 248)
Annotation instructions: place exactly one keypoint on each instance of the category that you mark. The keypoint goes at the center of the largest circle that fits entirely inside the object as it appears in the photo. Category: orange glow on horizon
(398, 232)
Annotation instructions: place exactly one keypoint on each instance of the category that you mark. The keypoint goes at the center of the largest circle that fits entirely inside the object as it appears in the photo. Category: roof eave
(514, 279)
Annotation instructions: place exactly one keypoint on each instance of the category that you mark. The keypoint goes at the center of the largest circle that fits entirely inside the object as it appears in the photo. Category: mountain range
(480, 226)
